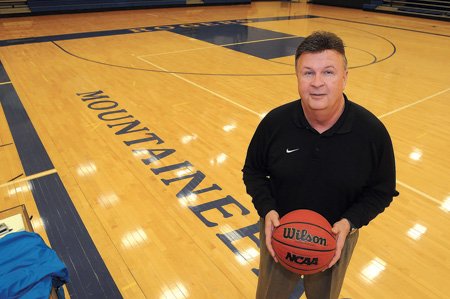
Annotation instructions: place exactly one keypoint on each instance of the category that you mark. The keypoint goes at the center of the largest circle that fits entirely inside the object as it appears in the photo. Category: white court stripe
(174, 52)
(413, 104)
(29, 178)
(403, 108)
(419, 192)
(204, 88)
(4, 83)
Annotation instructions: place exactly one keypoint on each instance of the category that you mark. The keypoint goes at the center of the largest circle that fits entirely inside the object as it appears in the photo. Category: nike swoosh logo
(288, 151)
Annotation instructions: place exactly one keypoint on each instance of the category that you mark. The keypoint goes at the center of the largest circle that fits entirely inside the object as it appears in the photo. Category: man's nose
(317, 81)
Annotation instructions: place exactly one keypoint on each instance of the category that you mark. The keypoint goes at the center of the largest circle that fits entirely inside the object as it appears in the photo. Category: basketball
(304, 243)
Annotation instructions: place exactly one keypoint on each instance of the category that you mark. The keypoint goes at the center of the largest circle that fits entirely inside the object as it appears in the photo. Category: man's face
(321, 80)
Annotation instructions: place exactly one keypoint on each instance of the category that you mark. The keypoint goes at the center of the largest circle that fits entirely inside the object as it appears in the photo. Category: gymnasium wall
(85, 5)
(344, 3)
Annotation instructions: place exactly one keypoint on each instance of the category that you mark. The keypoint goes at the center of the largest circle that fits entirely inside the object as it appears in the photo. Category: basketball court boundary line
(30, 177)
(437, 201)
(4, 83)
(261, 114)
(414, 103)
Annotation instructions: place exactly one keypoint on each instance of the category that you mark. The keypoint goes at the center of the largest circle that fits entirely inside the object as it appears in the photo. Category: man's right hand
(272, 220)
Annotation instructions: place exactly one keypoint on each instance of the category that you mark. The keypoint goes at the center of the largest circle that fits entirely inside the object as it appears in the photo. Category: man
(323, 153)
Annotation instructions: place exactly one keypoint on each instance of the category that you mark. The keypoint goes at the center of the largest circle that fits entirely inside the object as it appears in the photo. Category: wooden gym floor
(124, 134)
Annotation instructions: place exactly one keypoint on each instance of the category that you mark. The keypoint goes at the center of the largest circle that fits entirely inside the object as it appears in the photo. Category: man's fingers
(335, 230)
(276, 222)
(271, 222)
(269, 247)
(341, 230)
(271, 251)
(336, 257)
(269, 230)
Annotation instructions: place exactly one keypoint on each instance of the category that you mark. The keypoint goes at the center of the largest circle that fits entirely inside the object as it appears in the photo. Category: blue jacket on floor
(28, 267)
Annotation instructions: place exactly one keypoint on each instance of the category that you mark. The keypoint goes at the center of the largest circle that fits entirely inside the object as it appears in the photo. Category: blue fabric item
(28, 267)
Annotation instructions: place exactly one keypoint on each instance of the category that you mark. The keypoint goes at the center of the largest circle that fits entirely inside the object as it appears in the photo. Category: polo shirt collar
(343, 125)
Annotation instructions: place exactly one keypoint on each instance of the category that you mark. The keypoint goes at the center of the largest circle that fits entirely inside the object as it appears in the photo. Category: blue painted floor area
(69, 36)
(229, 34)
(262, 43)
(3, 76)
(31, 151)
(298, 290)
(89, 277)
(270, 49)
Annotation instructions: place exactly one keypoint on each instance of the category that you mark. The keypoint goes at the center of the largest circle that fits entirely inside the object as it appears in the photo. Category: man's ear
(345, 78)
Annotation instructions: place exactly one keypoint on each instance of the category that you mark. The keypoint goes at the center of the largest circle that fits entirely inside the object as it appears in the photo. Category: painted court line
(15, 178)
(413, 104)
(260, 115)
(203, 88)
(216, 46)
(419, 192)
(4, 83)
(403, 108)
(29, 178)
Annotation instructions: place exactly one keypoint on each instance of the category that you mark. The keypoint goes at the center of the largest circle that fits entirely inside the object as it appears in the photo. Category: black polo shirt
(347, 171)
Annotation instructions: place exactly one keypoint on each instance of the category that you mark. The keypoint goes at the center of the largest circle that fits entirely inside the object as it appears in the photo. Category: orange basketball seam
(306, 248)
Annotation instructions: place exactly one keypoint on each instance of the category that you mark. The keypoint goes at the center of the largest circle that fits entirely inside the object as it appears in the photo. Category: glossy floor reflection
(145, 116)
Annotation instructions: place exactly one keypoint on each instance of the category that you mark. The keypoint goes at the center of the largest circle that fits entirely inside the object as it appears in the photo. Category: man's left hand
(341, 229)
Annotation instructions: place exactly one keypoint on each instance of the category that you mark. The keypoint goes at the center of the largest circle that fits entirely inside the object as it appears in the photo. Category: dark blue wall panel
(80, 5)
(342, 3)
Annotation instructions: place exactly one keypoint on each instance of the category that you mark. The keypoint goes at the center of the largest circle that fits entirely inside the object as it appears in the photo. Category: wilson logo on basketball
(301, 260)
(303, 235)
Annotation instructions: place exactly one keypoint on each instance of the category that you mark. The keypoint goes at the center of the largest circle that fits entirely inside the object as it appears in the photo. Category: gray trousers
(275, 282)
